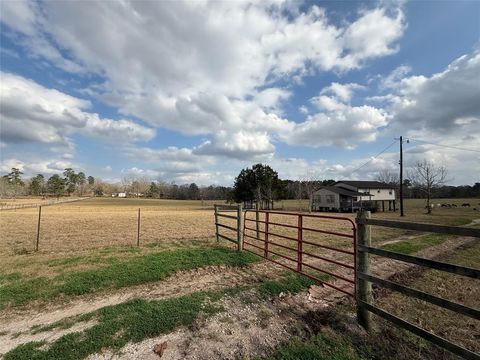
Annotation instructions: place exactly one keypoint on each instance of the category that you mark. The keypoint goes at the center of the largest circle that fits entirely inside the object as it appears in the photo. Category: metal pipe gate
(297, 257)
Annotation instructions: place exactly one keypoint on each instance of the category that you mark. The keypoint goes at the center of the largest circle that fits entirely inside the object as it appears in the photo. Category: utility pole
(401, 176)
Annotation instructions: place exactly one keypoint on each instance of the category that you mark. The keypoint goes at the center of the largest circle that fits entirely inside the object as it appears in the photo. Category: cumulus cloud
(373, 35)
(169, 160)
(342, 92)
(241, 145)
(337, 122)
(36, 166)
(206, 68)
(445, 103)
(33, 113)
(342, 127)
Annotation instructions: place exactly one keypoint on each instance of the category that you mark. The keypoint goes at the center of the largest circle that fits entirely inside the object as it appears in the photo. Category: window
(378, 191)
(390, 192)
(317, 199)
(330, 199)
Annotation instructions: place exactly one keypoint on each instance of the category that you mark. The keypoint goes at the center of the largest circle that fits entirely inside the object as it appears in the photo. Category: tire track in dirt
(182, 283)
(15, 327)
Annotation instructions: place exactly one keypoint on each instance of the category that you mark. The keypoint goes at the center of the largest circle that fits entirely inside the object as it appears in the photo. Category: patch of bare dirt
(11, 342)
(244, 330)
(17, 324)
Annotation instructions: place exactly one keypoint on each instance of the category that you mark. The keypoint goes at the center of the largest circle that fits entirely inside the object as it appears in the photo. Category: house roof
(342, 191)
(365, 184)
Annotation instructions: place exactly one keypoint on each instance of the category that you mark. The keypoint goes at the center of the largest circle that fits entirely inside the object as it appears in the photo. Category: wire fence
(70, 228)
(37, 204)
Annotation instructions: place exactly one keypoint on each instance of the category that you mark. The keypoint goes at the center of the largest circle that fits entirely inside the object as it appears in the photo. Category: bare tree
(310, 184)
(143, 184)
(127, 183)
(388, 177)
(426, 176)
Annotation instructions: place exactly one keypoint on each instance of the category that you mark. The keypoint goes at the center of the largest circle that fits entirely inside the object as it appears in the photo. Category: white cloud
(337, 122)
(36, 166)
(303, 109)
(206, 67)
(241, 145)
(271, 98)
(342, 92)
(19, 15)
(33, 113)
(342, 126)
(445, 103)
(373, 34)
(392, 79)
(171, 160)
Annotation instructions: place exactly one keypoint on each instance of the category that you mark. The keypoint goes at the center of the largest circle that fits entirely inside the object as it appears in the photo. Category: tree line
(258, 184)
(12, 184)
(71, 182)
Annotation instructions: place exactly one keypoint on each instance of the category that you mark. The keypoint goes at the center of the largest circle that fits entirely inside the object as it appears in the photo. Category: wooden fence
(233, 212)
(364, 279)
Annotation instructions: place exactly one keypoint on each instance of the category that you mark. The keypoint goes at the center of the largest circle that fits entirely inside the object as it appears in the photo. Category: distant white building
(353, 195)
(120, 195)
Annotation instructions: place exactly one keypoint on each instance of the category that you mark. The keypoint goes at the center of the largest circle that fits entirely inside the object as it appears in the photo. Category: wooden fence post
(239, 228)
(299, 243)
(216, 221)
(265, 250)
(364, 288)
(138, 228)
(257, 220)
(38, 227)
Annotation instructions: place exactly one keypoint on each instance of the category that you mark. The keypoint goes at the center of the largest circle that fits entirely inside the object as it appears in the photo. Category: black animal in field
(466, 205)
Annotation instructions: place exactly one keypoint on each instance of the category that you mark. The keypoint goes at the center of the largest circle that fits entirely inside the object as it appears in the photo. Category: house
(120, 195)
(335, 198)
(349, 195)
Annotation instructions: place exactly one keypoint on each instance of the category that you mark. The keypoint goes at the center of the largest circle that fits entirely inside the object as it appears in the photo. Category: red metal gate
(308, 245)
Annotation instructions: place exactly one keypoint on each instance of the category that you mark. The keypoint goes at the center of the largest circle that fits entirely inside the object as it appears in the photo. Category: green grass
(9, 277)
(62, 324)
(292, 284)
(73, 260)
(417, 244)
(117, 325)
(459, 221)
(132, 271)
(318, 347)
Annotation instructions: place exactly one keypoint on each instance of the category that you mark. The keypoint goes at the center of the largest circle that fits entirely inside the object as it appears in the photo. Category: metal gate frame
(299, 260)
(220, 211)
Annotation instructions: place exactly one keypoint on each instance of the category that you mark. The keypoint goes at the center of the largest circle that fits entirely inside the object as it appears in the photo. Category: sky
(195, 91)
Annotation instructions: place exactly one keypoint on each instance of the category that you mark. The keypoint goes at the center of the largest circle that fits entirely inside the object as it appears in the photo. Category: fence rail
(266, 242)
(432, 228)
(365, 279)
(36, 205)
(220, 213)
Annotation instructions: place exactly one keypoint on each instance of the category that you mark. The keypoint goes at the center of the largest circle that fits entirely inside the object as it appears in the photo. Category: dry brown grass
(458, 328)
(82, 228)
(103, 222)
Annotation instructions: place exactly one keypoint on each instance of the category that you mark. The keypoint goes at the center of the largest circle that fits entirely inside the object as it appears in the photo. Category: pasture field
(105, 222)
(89, 276)
(101, 222)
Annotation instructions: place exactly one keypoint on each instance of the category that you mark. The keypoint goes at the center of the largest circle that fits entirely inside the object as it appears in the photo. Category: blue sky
(196, 91)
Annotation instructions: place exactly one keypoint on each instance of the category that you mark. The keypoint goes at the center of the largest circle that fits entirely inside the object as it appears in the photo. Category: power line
(372, 158)
(445, 146)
